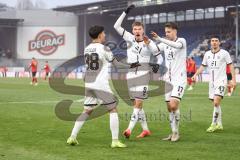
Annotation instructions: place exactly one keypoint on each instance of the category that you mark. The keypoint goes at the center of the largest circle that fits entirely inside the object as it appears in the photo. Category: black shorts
(47, 73)
(229, 76)
(34, 74)
(190, 74)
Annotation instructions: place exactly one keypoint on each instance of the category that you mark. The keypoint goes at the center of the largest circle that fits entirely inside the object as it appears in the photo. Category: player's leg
(72, 140)
(89, 102)
(110, 102)
(230, 89)
(175, 115)
(189, 80)
(193, 81)
(173, 100)
(216, 96)
(139, 93)
(142, 119)
(134, 117)
(217, 102)
(114, 127)
(36, 81)
(33, 75)
(46, 75)
(142, 93)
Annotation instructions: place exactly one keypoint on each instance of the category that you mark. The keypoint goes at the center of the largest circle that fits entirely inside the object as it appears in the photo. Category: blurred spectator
(3, 70)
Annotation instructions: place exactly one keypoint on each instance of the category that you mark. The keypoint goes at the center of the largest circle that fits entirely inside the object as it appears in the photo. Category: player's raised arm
(117, 26)
(173, 44)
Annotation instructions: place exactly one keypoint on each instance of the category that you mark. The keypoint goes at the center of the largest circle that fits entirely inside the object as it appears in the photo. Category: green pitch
(29, 128)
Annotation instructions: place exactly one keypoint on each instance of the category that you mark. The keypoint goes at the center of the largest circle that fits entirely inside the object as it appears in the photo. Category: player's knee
(174, 108)
(216, 103)
(88, 111)
(112, 107)
(138, 104)
(173, 104)
(114, 110)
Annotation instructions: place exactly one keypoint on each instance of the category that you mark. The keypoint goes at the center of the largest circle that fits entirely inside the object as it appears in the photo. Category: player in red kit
(33, 65)
(229, 79)
(191, 70)
(47, 70)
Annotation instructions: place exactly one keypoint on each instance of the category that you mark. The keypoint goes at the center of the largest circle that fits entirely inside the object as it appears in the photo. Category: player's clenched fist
(129, 8)
(194, 78)
(154, 35)
(146, 40)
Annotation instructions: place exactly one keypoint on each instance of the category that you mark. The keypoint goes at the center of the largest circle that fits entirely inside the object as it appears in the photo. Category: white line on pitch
(38, 102)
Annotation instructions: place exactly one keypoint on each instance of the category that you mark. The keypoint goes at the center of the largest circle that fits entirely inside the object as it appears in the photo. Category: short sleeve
(228, 58)
(204, 62)
(108, 54)
(183, 42)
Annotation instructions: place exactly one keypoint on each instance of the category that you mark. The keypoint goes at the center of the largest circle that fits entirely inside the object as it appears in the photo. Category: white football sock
(219, 116)
(172, 121)
(215, 115)
(78, 124)
(177, 119)
(143, 120)
(134, 119)
(114, 125)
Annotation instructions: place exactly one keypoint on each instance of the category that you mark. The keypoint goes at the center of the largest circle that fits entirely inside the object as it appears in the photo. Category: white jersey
(175, 60)
(97, 58)
(216, 63)
(137, 51)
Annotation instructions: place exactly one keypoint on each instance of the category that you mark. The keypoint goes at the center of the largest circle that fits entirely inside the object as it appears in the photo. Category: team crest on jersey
(46, 42)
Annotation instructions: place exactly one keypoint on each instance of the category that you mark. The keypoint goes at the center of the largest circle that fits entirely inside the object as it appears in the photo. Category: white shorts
(138, 84)
(95, 96)
(176, 92)
(216, 90)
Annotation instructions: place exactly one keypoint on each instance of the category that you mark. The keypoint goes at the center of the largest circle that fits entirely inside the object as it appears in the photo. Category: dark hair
(94, 31)
(171, 25)
(215, 36)
(137, 24)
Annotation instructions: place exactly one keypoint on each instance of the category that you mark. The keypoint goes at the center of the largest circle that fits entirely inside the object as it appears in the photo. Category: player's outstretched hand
(134, 65)
(233, 84)
(129, 8)
(154, 35)
(146, 40)
(194, 78)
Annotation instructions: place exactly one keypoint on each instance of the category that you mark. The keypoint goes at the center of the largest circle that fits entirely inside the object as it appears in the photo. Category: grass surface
(29, 128)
